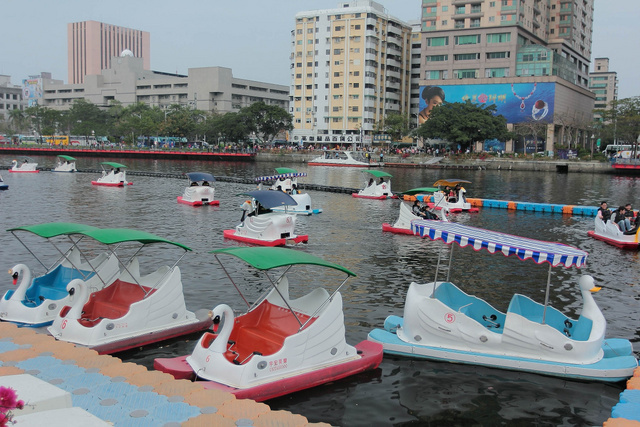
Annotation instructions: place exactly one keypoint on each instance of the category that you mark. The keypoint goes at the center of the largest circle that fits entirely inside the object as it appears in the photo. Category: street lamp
(592, 138)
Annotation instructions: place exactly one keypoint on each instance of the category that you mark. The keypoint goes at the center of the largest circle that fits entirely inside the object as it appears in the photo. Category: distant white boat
(341, 158)
(27, 166)
(65, 164)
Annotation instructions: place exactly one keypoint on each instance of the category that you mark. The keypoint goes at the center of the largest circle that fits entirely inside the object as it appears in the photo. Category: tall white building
(350, 67)
(604, 84)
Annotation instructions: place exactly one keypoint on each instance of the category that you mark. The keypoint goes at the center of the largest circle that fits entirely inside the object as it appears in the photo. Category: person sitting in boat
(630, 216)
(194, 184)
(446, 192)
(205, 183)
(381, 181)
(620, 219)
(454, 193)
(261, 209)
(603, 212)
(416, 209)
(294, 189)
(427, 213)
(370, 183)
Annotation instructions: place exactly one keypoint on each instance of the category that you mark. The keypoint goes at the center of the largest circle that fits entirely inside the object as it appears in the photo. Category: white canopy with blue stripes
(507, 244)
(280, 176)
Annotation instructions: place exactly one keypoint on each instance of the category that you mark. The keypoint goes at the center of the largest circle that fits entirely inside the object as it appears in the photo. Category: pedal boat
(403, 223)
(114, 177)
(260, 225)
(65, 164)
(136, 309)
(199, 192)
(340, 158)
(27, 166)
(441, 322)
(376, 190)
(37, 302)
(287, 180)
(280, 345)
(610, 233)
(460, 203)
(3, 186)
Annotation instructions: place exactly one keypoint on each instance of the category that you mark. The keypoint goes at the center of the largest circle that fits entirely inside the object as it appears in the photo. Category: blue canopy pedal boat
(441, 322)
(199, 192)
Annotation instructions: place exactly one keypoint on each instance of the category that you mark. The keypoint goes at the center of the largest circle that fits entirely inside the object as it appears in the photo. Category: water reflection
(401, 391)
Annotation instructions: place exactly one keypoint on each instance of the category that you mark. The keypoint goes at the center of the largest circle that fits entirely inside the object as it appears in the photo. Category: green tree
(86, 119)
(19, 121)
(178, 122)
(396, 126)
(464, 123)
(266, 121)
(622, 121)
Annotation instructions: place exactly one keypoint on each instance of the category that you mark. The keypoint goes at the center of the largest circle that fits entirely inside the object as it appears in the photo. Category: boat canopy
(420, 190)
(495, 242)
(280, 176)
(449, 182)
(111, 236)
(200, 176)
(266, 258)
(68, 158)
(378, 174)
(52, 229)
(113, 164)
(270, 198)
(286, 170)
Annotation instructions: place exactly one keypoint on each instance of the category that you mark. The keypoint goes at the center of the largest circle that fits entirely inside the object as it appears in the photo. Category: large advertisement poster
(32, 91)
(518, 102)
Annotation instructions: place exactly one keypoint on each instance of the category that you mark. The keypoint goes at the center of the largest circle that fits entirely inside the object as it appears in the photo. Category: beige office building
(604, 84)
(528, 57)
(350, 67)
(92, 44)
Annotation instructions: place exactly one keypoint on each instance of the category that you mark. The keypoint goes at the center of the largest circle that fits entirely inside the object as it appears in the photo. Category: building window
(498, 55)
(496, 72)
(466, 56)
(499, 38)
(437, 58)
(462, 40)
(465, 74)
(438, 41)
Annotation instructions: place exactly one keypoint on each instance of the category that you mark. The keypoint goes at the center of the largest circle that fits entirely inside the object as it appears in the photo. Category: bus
(56, 139)
(612, 149)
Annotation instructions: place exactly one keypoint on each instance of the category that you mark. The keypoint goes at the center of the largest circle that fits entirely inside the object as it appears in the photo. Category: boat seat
(471, 306)
(533, 311)
(53, 285)
(112, 302)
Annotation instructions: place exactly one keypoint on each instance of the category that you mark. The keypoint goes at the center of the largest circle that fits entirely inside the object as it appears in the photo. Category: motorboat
(380, 190)
(36, 302)
(137, 309)
(199, 192)
(260, 225)
(407, 214)
(114, 177)
(27, 166)
(455, 198)
(65, 164)
(610, 233)
(342, 158)
(3, 186)
(442, 322)
(281, 344)
(286, 179)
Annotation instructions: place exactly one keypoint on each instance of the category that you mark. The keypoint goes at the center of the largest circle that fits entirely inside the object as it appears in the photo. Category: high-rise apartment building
(92, 45)
(604, 84)
(528, 57)
(350, 67)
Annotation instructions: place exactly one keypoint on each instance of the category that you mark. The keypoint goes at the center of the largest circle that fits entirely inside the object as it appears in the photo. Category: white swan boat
(113, 177)
(341, 158)
(406, 215)
(609, 232)
(287, 180)
(36, 302)
(380, 190)
(455, 203)
(136, 309)
(260, 225)
(281, 344)
(441, 322)
(3, 186)
(27, 166)
(65, 164)
(199, 192)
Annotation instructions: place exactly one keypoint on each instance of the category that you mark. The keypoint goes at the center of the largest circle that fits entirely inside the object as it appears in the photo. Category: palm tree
(19, 120)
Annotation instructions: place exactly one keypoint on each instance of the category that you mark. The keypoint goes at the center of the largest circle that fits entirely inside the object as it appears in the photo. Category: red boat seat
(112, 302)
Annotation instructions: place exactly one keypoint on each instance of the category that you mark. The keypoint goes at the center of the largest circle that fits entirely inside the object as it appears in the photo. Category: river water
(401, 391)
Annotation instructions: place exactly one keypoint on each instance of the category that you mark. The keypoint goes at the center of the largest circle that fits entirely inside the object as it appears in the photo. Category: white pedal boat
(403, 223)
(65, 164)
(380, 190)
(443, 323)
(287, 180)
(341, 158)
(136, 309)
(27, 166)
(113, 177)
(260, 225)
(459, 203)
(609, 232)
(37, 302)
(199, 192)
(3, 186)
(281, 344)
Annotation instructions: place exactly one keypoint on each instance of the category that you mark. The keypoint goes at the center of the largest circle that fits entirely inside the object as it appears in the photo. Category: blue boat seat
(53, 285)
(471, 306)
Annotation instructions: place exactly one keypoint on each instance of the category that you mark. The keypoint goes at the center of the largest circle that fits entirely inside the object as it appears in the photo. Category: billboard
(518, 102)
(32, 91)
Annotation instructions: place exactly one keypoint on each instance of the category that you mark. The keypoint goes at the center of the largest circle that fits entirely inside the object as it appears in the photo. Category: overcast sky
(252, 37)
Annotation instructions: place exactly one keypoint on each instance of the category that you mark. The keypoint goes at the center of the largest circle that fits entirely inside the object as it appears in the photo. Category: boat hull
(111, 184)
(231, 234)
(351, 165)
(370, 357)
(610, 233)
(19, 171)
(391, 229)
(198, 202)
(617, 364)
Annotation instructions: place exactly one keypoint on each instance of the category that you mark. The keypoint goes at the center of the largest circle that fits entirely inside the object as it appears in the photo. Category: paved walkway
(127, 394)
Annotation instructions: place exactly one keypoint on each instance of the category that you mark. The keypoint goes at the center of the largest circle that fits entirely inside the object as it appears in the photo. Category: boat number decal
(276, 365)
(64, 323)
(449, 317)
(208, 358)
(384, 187)
(288, 220)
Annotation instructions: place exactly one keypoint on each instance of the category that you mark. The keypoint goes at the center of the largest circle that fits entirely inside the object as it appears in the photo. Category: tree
(85, 118)
(396, 126)
(19, 121)
(464, 123)
(266, 121)
(623, 120)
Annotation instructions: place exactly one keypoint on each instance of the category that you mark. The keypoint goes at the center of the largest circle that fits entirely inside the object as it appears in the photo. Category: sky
(252, 37)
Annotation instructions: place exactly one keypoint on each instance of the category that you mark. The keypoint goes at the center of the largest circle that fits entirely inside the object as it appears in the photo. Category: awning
(271, 198)
(200, 176)
(280, 176)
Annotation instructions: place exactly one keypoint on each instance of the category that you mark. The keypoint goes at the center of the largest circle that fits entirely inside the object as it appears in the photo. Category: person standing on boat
(603, 212)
